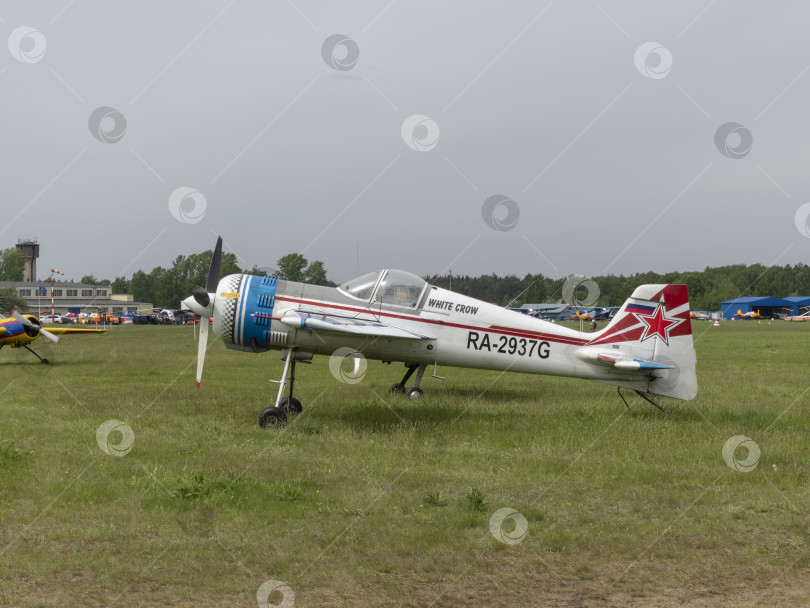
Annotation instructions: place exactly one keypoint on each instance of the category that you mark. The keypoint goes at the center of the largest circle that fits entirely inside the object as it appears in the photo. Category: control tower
(30, 252)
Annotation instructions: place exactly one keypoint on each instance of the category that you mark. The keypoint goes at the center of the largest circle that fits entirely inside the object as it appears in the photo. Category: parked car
(145, 319)
(47, 318)
(70, 317)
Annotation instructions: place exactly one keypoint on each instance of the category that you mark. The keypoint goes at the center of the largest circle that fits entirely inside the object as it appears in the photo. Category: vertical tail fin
(652, 329)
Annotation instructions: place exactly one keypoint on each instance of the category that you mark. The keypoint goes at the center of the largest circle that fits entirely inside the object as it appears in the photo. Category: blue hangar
(767, 306)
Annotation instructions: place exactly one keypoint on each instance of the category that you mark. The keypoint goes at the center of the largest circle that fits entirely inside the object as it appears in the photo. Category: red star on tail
(657, 325)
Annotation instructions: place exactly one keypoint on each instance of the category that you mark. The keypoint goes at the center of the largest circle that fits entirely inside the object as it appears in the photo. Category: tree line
(707, 288)
(166, 287)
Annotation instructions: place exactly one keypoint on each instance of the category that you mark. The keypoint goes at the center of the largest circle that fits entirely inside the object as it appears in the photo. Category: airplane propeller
(201, 302)
(36, 327)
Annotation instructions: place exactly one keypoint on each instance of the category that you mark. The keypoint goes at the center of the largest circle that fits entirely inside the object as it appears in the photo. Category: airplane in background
(393, 315)
(19, 330)
(798, 318)
(598, 314)
(754, 314)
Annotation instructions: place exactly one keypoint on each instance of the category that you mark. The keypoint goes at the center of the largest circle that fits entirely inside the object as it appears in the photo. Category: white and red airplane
(392, 315)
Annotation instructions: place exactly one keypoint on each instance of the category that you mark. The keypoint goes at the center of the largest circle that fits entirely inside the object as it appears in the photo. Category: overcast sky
(600, 129)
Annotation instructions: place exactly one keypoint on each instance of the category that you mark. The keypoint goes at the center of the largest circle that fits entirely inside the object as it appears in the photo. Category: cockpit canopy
(387, 286)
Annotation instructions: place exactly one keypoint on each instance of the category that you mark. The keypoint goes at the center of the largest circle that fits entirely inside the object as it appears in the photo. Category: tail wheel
(290, 405)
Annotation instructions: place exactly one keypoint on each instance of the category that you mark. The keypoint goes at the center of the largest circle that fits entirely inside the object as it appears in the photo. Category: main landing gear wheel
(45, 361)
(414, 392)
(290, 405)
(272, 417)
(277, 416)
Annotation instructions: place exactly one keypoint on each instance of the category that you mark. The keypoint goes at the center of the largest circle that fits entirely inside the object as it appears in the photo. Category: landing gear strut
(643, 396)
(290, 404)
(276, 416)
(414, 392)
(45, 361)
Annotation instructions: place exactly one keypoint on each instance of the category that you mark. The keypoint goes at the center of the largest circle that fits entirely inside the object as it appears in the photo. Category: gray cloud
(542, 102)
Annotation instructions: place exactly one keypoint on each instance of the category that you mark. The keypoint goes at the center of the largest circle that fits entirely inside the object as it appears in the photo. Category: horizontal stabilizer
(630, 363)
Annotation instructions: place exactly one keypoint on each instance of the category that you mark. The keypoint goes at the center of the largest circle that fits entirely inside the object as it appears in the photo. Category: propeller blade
(49, 335)
(213, 270)
(203, 298)
(201, 346)
(21, 319)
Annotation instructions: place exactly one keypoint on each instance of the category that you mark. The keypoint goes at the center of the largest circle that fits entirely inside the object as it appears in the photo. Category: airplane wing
(626, 363)
(70, 330)
(329, 322)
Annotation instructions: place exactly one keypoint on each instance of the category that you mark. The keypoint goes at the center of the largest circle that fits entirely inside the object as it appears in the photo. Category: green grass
(369, 499)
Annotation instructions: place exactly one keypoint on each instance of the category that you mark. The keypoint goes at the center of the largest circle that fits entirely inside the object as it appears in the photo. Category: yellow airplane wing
(71, 330)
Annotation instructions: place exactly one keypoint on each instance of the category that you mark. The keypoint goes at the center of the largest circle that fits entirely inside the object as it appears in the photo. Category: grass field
(368, 499)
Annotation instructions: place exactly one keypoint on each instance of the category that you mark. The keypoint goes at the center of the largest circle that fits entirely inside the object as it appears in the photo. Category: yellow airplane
(747, 315)
(18, 331)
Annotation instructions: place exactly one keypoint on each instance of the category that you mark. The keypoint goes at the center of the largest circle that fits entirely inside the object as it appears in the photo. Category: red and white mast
(53, 272)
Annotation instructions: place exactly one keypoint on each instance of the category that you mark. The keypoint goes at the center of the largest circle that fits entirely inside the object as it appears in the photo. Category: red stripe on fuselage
(13, 328)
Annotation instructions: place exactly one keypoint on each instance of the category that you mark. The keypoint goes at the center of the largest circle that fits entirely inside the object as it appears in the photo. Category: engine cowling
(243, 309)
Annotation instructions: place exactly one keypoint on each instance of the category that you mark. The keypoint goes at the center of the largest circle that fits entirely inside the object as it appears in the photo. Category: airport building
(67, 295)
(73, 297)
